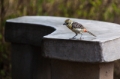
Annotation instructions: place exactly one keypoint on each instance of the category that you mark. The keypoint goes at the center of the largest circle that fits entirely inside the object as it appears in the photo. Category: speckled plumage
(76, 27)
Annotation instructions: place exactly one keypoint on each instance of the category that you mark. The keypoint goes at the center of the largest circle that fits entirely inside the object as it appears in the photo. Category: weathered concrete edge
(111, 50)
(107, 51)
(26, 33)
(63, 53)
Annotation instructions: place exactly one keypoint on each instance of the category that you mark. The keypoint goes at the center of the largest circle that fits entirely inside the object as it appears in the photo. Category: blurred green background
(103, 10)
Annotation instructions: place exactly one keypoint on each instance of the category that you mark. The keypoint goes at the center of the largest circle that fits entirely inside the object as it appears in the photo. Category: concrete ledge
(26, 33)
(56, 42)
(73, 50)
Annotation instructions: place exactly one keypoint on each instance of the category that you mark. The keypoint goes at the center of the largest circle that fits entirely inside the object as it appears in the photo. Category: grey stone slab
(56, 43)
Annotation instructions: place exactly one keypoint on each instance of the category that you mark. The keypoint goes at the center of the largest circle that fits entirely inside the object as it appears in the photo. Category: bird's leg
(75, 35)
(81, 36)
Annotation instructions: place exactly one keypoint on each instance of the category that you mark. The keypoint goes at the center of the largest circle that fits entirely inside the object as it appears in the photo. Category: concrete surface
(55, 38)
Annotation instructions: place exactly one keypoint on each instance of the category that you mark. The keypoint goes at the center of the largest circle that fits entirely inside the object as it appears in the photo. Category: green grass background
(103, 10)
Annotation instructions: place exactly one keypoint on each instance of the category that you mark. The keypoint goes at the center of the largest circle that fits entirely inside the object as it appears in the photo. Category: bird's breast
(69, 26)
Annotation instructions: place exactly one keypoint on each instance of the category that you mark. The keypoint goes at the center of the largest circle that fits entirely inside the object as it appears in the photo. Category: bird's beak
(64, 24)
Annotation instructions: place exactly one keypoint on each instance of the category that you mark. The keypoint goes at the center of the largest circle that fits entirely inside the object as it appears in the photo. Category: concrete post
(76, 70)
(41, 49)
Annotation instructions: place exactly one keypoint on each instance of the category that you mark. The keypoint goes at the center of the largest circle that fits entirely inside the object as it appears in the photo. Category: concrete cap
(55, 36)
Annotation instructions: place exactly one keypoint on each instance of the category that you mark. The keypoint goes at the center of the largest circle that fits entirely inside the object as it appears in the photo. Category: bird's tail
(91, 33)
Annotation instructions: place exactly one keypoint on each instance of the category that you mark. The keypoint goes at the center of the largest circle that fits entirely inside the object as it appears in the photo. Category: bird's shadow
(84, 38)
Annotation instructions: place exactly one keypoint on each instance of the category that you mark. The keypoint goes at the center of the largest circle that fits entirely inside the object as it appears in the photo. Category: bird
(77, 28)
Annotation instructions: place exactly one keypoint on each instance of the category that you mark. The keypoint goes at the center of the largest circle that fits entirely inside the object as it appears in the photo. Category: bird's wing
(77, 25)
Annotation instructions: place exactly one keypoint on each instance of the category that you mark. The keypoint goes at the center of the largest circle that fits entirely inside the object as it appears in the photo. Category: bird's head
(68, 21)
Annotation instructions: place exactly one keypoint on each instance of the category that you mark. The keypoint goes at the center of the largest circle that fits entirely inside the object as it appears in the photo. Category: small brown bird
(76, 27)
